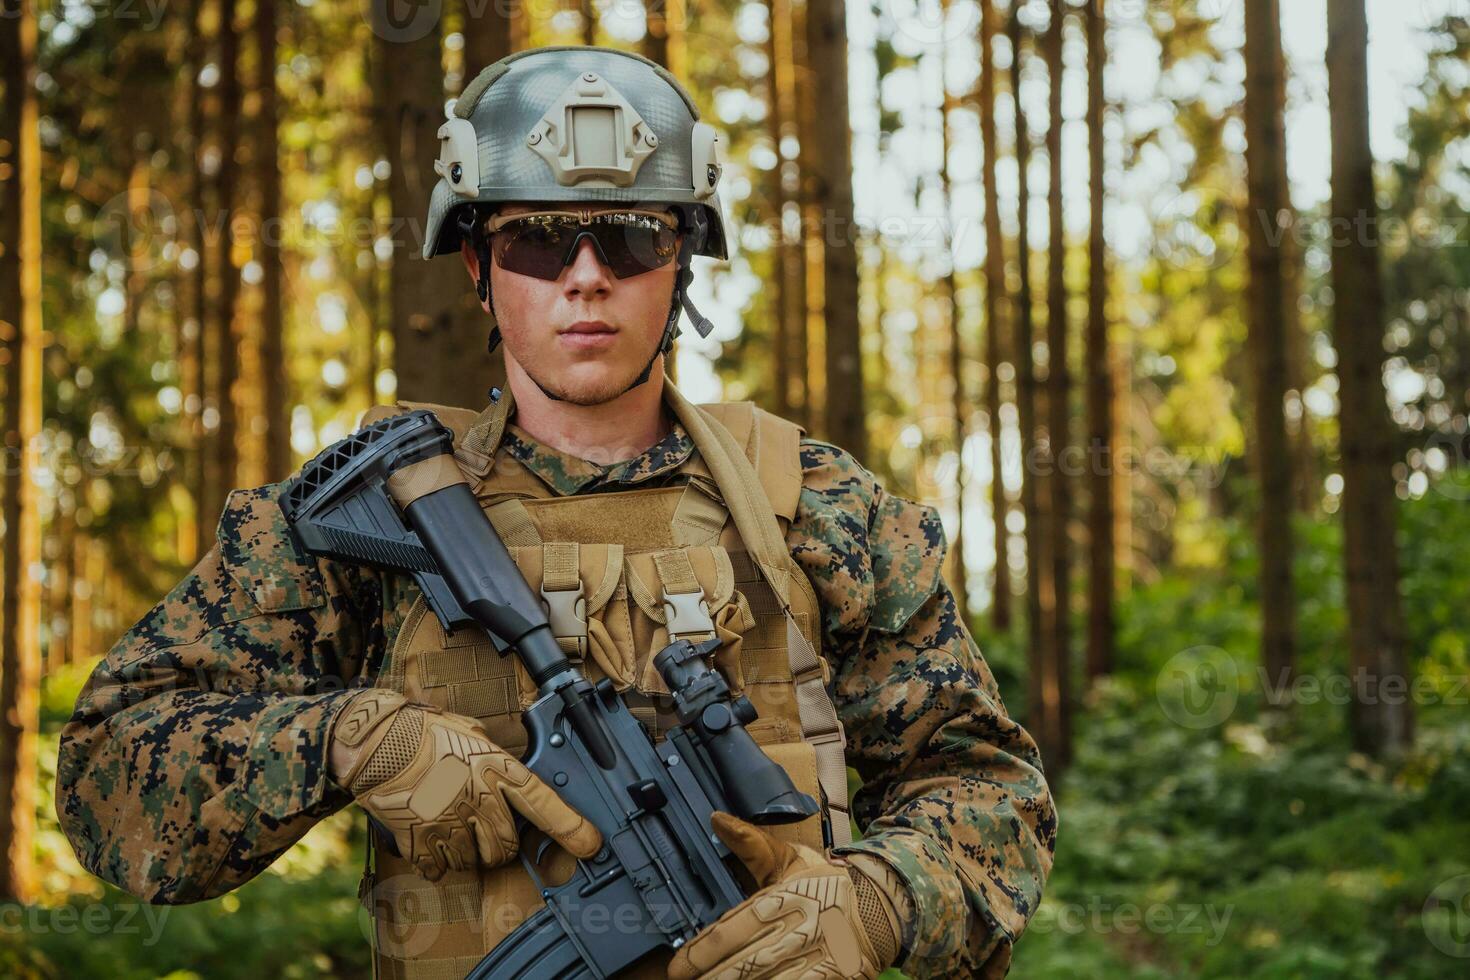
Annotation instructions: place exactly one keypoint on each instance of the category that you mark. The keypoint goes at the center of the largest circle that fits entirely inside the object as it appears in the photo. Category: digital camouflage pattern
(196, 752)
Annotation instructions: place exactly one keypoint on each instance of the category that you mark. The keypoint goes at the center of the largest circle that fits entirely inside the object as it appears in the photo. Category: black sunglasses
(542, 243)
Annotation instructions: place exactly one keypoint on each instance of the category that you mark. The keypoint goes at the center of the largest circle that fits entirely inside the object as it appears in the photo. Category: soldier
(269, 689)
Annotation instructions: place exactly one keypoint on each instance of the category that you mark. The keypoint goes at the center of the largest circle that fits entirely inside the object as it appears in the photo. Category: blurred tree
(959, 398)
(831, 138)
(589, 21)
(439, 329)
(487, 35)
(1039, 598)
(995, 289)
(1058, 384)
(663, 33)
(793, 80)
(787, 308)
(227, 197)
(811, 339)
(1268, 301)
(193, 278)
(1382, 724)
(21, 334)
(1101, 444)
(275, 397)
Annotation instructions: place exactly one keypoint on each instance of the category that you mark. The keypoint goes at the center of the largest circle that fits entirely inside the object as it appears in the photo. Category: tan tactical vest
(621, 574)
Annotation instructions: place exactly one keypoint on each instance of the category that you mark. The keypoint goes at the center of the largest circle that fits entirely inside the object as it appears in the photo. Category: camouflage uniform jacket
(196, 754)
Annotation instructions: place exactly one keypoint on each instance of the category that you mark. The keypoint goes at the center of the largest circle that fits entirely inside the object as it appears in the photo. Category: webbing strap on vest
(513, 523)
(755, 519)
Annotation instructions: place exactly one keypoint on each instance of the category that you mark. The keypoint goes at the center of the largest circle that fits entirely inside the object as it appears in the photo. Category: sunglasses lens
(542, 245)
(534, 248)
(635, 244)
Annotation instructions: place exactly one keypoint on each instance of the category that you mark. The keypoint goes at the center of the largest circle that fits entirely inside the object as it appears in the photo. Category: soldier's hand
(812, 918)
(445, 792)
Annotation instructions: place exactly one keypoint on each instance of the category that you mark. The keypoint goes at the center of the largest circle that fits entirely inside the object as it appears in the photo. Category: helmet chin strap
(470, 227)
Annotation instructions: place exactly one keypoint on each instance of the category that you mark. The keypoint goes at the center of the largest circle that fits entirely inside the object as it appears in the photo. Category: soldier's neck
(604, 434)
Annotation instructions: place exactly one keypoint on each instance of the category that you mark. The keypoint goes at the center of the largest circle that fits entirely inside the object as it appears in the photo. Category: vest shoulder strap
(773, 446)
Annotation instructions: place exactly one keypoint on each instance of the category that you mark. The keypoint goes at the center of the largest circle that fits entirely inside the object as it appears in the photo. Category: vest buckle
(566, 610)
(687, 614)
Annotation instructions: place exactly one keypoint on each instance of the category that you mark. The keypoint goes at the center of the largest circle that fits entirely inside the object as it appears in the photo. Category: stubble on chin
(583, 393)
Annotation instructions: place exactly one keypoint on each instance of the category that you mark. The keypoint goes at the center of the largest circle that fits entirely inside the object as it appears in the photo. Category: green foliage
(1290, 855)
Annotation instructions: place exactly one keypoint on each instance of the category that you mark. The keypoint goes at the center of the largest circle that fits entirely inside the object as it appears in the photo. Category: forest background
(1165, 304)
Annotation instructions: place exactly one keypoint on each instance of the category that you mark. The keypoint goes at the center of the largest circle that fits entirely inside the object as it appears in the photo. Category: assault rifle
(661, 875)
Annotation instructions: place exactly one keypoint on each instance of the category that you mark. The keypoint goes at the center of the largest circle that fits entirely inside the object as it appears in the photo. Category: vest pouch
(686, 593)
(581, 589)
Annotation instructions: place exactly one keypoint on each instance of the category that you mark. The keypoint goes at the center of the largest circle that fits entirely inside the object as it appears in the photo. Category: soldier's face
(585, 336)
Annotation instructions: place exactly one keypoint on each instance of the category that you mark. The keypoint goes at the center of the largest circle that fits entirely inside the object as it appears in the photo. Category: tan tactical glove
(814, 917)
(442, 789)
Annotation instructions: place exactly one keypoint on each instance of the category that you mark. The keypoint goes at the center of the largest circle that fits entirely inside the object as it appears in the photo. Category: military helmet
(578, 124)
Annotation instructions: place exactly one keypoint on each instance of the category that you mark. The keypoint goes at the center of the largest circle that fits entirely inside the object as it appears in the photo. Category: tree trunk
(663, 34)
(1305, 477)
(1268, 322)
(487, 35)
(1039, 599)
(20, 329)
(190, 286)
(61, 650)
(203, 480)
(1382, 720)
(959, 578)
(83, 631)
(275, 398)
(778, 15)
(589, 22)
(1058, 390)
(1100, 455)
(439, 330)
(797, 95)
(995, 286)
(846, 421)
(1122, 387)
(227, 179)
